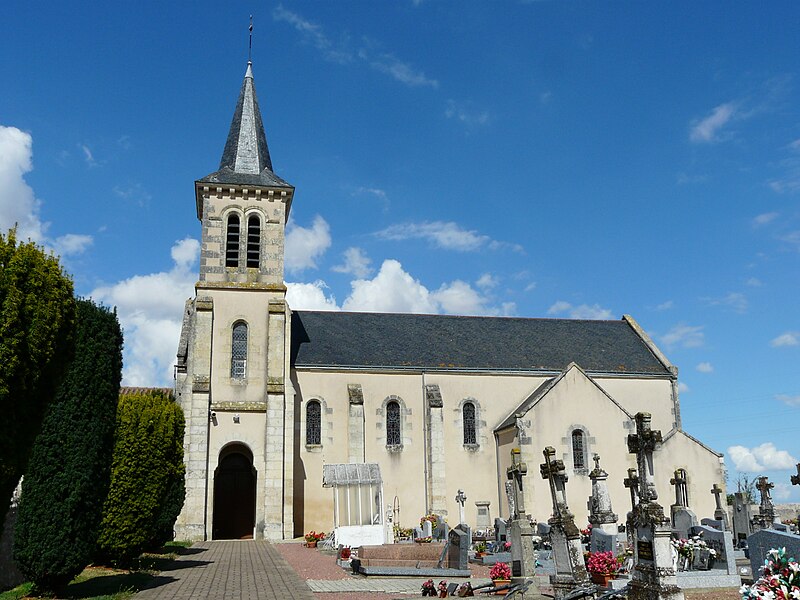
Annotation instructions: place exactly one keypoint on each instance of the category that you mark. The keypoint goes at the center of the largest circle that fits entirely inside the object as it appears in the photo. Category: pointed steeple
(245, 159)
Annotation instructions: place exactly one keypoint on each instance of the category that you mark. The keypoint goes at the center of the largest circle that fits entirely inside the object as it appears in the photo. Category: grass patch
(103, 583)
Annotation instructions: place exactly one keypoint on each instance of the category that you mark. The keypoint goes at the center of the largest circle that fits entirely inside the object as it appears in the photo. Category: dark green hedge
(68, 476)
(147, 477)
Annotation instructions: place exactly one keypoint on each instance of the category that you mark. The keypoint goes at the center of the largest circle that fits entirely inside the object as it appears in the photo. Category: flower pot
(480, 554)
(498, 583)
(311, 544)
(601, 579)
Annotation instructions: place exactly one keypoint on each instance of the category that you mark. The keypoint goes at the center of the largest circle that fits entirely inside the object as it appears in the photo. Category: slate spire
(246, 148)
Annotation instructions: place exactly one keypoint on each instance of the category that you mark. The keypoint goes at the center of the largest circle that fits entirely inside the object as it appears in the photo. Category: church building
(272, 395)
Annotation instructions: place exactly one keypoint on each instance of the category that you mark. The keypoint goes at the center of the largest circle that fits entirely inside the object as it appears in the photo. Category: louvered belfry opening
(232, 242)
(253, 242)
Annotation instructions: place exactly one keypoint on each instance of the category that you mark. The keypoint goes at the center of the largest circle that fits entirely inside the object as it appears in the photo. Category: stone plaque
(644, 549)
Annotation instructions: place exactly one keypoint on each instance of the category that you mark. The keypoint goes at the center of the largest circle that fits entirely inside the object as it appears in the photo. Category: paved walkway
(229, 570)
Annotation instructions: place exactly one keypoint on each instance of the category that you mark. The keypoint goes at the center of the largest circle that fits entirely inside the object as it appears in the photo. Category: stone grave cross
(796, 478)
(461, 498)
(720, 514)
(766, 510)
(679, 481)
(600, 511)
(643, 443)
(555, 472)
(632, 483)
(515, 473)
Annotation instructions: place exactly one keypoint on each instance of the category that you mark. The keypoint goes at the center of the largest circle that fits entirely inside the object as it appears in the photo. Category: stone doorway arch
(234, 494)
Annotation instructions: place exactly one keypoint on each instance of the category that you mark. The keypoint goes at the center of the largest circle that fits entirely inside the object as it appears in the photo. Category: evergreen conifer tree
(68, 476)
(147, 477)
(37, 319)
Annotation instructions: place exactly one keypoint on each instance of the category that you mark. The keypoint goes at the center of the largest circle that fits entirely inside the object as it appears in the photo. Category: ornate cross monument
(601, 515)
(720, 514)
(523, 558)
(653, 574)
(679, 481)
(766, 510)
(461, 498)
(564, 534)
(632, 483)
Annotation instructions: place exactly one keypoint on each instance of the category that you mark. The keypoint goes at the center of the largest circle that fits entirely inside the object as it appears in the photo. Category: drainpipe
(425, 449)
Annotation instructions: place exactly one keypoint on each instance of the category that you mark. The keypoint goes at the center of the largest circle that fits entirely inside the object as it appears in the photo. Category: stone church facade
(271, 395)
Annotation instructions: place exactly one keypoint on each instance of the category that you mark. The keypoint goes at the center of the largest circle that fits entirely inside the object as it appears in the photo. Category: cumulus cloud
(487, 281)
(18, 204)
(683, 388)
(782, 491)
(356, 263)
(583, 311)
(71, 244)
(790, 338)
(705, 367)
(764, 218)
(304, 246)
(310, 296)
(391, 290)
(444, 234)
(687, 336)
(765, 457)
(150, 308)
(707, 129)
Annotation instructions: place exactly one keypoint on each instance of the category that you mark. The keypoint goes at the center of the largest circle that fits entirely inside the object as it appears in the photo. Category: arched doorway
(234, 494)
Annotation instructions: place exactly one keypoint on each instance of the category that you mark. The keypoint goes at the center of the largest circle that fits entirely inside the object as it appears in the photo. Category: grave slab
(764, 540)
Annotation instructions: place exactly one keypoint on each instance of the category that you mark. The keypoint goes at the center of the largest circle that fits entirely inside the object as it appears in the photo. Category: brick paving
(229, 570)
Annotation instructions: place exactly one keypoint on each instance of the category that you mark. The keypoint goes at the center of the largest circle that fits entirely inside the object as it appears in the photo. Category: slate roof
(353, 340)
(245, 159)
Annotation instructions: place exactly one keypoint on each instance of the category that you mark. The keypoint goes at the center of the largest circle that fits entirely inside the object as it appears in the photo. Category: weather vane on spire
(250, 49)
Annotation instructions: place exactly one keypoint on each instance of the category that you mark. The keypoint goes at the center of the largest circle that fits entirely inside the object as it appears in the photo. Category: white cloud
(444, 234)
(683, 388)
(787, 399)
(459, 298)
(687, 336)
(665, 305)
(782, 491)
(356, 263)
(765, 457)
(753, 282)
(313, 34)
(705, 367)
(305, 245)
(487, 281)
(584, 311)
(465, 113)
(87, 155)
(391, 290)
(71, 244)
(309, 296)
(790, 338)
(736, 301)
(375, 192)
(17, 201)
(764, 218)
(399, 70)
(150, 308)
(708, 128)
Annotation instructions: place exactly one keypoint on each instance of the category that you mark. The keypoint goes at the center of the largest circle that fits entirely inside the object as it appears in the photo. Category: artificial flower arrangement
(423, 540)
(603, 563)
(313, 536)
(443, 589)
(500, 570)
(480, 547)
(428, 588)
(434, 519)
(688, 547)
(780, 578)
(401, 533)
(507, 546)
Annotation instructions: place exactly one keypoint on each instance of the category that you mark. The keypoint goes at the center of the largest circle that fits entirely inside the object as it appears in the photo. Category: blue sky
(563, 159)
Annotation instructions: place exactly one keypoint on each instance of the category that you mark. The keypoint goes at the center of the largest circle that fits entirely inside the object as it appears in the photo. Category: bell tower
(233, 359)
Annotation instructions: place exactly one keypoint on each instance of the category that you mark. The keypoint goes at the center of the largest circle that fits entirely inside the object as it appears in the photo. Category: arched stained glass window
(468, 416)
(393, 424)
(239, 351)
(578, 449)
(313, 423)
(232, 242)
(253, 242)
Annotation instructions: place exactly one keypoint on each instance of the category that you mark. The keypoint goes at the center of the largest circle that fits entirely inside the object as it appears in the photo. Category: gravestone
(441, 530)
(523, 557)
(683, 520)
(603, 542)
(713, 523)
(483, 520)
(605, 532)
(722, 543)
(764, 540)
(461, 498)
(458, 552)
(500, 530)
(427, 529)
(653, 576)
(543, 529)
(565, 537)
(742, 519)
(766, 510)
(720, 514)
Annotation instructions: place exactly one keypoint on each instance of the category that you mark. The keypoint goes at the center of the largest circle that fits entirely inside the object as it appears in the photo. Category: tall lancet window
(253, 242)
(468, 416)
(232, 242)
(393, 424)
(578, 449)
(239, 351)
(313, 423)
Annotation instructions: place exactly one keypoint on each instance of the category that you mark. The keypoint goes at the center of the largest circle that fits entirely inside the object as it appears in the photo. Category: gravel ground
(313, 564)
